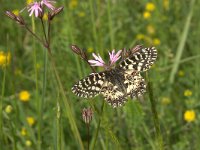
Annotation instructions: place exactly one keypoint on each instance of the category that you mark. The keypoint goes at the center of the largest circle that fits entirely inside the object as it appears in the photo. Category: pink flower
(48, 4)
(34, 8)
(114, 57)
(97, 62)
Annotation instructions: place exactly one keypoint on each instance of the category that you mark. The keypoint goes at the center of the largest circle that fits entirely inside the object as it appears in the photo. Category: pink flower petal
(114, 57)
(34, 8)
(48, 4)
(98, 60)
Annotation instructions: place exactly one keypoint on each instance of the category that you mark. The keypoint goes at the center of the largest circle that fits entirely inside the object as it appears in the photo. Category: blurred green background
(34, 116)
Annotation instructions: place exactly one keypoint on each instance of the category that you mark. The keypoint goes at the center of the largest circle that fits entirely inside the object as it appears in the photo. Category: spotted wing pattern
(113, 95)
(136, 85)
(133, 85)
(141, 60)
(89, 86)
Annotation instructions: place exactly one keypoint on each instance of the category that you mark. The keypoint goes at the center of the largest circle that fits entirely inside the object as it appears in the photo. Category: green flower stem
(88, 134)
(98, 127)
(159, 138)
(67, 106)
(110, 25)
(58, 138)
(94, 30)
(182, 42)
(36, 79)
(1, 108)
(41, 102)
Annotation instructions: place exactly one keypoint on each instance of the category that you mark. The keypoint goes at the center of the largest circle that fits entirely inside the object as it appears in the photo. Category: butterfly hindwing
(113, 95)
(136, 85)
(140, 60)
(89, 86)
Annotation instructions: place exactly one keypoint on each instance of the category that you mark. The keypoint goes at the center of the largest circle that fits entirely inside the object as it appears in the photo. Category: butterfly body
(121, 82)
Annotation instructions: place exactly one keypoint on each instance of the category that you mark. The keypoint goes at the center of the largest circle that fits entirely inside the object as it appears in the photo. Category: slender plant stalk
(1, 108)
(69, 25)
(44, 32)
(182, 43)
(65, 100)
(192, 58)
(159, 137)
(98, 127)
(36, 79)
(33, 31)
(110, 24)
(94, 30)
(58, 143)
(88, 134)
(41, 102)
(13, 130)
(68, 110)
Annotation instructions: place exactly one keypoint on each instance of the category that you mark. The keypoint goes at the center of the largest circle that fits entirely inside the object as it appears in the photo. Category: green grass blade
(159, 137)
(1, 108)
(181, 44)
(68, 109)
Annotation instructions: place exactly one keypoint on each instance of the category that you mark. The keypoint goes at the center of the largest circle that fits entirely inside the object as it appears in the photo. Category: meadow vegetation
(38, 109)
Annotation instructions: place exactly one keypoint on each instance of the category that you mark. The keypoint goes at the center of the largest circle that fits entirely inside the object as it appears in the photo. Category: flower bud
(76, 49)
(55, 12)
(10, 15)
(87, 115)
(20, 20)
(14, 17)
(136, 48)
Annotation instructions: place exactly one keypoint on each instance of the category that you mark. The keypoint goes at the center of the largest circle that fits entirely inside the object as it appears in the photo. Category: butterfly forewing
(89, 86)
(141, 60)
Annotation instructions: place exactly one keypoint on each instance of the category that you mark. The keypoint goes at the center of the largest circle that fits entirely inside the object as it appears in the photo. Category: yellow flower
(166, 4)
(38, 66)
(24, 96)
(147, 15)
(16, 12)
(8, 109)
(23, 131)
(90, 50)
(150, 29)
(166, 100)
(140, 36)
(4, 59)
(45, 17)
(28, 143)
(181, 73)
(189, 115)
(73, 4)
(30, 120)
(187, 93)
(150, 6)
(156, 41)
(29, 1)
(81, 14)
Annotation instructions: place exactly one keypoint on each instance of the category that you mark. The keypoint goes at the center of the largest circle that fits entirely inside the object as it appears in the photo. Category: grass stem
(159, 138)
(98, 127)
(1, 108)
(67, 106)
(110, 24)
(182, 43)
(58, 141)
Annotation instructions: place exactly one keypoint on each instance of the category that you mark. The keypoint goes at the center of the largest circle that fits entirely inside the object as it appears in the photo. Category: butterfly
(119, 83)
